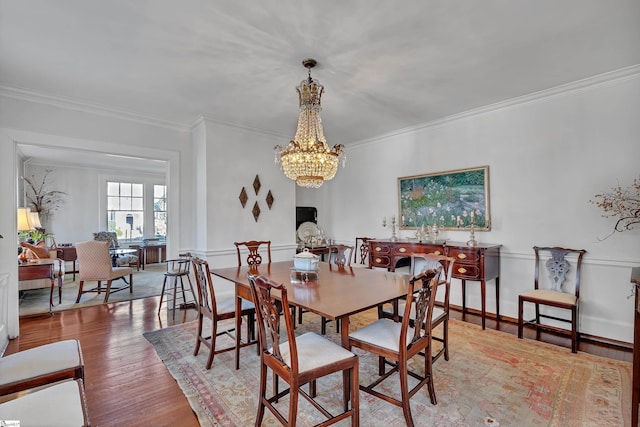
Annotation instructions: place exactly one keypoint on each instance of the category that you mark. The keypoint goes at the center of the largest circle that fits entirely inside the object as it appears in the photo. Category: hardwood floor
(128, 385)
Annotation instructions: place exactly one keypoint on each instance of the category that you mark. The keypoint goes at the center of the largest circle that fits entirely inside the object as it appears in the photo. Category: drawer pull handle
(462, 270)
(462, 256)
(378, 248)
(378, 261)
(403, 250)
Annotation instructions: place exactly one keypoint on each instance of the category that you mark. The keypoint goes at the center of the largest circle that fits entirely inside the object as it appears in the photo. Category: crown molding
(199, 119)
(622, 74)
(87, 107)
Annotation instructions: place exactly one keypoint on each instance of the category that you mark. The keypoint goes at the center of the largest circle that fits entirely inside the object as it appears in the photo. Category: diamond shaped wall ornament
(269, 199)
(256, 211)
(256, 184)
(243, 197)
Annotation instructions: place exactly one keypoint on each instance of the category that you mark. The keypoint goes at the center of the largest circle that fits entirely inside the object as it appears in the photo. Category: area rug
(492, 378)
(146, 283)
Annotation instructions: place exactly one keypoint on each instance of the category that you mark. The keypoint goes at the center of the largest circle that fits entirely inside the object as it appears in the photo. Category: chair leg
(428, 373)
(214, 335)
(79, 291)
(199, 334)
(262, 395)
(131, 283)
(164, 285)
(175, 291)
(404, 392)
(574, 329)
(108, 292)
(293, 404)
(520, 319)
(537, 322)
(445, 338)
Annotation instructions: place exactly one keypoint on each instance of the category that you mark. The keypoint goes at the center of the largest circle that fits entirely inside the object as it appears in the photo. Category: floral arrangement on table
(622, 204)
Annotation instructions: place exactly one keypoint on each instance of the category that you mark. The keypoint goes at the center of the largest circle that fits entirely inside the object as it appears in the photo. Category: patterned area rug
(146, 283)
(491, 379)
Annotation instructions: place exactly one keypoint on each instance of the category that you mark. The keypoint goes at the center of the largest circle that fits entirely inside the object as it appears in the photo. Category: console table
(42, 269)
(474, 263)
(635, 396)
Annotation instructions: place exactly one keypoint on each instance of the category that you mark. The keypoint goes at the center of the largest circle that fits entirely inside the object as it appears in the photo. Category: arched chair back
(556, 288)
(258, 250)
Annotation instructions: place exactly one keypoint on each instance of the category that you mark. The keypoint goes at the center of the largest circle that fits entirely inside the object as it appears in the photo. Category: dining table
(331, 292)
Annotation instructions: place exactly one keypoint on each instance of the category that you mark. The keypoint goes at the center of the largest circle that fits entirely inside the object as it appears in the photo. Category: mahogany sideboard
(479, 263)
(635, 395)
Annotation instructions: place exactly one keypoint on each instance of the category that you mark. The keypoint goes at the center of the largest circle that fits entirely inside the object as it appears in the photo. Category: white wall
(547, 158)
(75, 127)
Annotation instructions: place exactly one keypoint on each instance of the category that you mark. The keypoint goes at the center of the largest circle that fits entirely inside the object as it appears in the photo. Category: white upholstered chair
(41, 365)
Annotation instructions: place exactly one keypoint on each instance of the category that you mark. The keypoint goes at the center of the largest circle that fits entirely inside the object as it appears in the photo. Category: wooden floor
(128, 385)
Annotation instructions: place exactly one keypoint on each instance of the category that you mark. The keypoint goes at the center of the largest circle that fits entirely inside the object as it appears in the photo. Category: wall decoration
(450, 199)
(269, 199)
(256, 211)
(256, 184)
(243, 197)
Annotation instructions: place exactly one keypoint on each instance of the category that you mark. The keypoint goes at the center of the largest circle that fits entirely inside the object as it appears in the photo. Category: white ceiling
(385, 65)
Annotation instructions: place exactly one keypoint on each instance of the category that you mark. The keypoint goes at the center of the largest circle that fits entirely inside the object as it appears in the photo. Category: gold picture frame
(450, 199)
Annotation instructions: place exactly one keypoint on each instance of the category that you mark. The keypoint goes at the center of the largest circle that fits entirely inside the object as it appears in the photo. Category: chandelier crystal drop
(307, 159)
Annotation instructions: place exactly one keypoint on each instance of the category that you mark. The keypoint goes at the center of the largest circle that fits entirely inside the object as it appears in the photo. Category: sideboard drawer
(381, 261)
(466, 271)
(464, 255)
(380, 249)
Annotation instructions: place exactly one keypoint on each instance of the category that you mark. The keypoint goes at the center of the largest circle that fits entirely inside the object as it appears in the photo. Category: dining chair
(177, 269)
(361, 252)
(339, 256)
(257, 249)
(419, 263)
(298, 360)
(42, 365)
(218, 308)
(96, 265)
(555, 291)
(395, 343)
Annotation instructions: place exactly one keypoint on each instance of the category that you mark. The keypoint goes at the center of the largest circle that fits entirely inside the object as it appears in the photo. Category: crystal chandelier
(307, 159)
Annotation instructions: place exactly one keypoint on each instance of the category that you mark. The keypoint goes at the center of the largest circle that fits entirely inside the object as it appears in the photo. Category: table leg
(497, 299)
(238, 326)
(483, 297)
(53, 284)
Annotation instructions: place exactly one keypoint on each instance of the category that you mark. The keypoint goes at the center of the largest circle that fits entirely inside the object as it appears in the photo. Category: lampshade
(24, 222)
(307, 159)
(34, 218)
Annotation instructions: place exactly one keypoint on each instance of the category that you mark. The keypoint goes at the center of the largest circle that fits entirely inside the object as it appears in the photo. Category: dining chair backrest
(94, 260)
(268, 311)
(206, 295)
(256, 254)
(421, 298)
(340, 255)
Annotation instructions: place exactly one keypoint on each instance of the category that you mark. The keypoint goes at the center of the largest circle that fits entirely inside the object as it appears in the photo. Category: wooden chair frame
(268, 311)
(421, 293)
(540, 297)
(208, 307)
(253, 246)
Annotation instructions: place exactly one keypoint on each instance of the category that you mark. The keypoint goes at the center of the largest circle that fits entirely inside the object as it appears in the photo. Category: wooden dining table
(335, 293)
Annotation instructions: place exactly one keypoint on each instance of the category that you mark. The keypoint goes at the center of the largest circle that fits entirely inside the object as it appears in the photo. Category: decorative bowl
(305, 261)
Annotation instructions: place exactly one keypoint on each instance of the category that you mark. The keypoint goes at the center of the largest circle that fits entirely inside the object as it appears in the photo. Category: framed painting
(450, 199)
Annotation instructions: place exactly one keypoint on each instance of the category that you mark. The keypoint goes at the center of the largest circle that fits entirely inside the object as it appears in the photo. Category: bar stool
(177, 269)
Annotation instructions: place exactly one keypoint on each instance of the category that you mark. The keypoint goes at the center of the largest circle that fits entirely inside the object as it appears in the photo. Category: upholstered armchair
(129, 260)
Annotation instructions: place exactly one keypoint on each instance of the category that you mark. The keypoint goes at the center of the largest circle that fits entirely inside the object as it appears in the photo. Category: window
(160, 210)
(125, 209)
